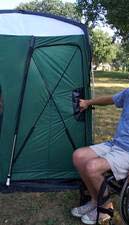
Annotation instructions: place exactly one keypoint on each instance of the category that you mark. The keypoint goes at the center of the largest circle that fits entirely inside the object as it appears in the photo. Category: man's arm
(105, 100)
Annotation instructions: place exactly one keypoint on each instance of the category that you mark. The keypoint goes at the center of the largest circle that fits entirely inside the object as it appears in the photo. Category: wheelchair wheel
(124, 202)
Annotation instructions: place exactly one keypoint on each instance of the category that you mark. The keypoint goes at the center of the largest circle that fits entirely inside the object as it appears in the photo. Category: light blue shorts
(117, 158)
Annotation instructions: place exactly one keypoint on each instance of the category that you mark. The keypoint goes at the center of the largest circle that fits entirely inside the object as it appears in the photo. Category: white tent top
(36, 25)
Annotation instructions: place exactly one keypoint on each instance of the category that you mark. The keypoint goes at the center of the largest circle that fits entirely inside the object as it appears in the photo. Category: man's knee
(79, 155)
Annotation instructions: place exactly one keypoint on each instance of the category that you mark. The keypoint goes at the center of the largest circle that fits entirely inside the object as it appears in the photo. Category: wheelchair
(118, 188)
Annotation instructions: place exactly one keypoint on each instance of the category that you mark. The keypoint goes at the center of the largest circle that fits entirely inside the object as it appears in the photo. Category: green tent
(44, 70)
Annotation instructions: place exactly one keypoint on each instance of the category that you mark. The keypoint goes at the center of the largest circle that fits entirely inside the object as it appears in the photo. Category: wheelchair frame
(120, 188)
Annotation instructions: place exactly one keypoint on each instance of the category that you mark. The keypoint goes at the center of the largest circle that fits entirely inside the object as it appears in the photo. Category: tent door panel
(53, 75)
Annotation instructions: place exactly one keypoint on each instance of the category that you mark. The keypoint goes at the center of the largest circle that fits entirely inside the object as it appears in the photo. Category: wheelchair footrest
(108, 211)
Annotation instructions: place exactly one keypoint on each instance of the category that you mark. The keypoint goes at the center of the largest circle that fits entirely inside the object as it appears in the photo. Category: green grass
(106, 117)
(54, 208)
(112, 75)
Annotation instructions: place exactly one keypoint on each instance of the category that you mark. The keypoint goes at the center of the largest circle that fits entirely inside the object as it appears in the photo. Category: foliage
(103, 48)
(122, 59)
(114, 12)
(56, 7)
(91, 10)
(117, 14)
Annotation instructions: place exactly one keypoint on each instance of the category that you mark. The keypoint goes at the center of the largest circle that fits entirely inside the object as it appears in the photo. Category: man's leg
(94, 170)
(91, 169)
(80, 159)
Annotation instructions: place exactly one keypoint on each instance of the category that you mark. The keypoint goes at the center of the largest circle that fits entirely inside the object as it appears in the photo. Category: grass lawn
(53, 208)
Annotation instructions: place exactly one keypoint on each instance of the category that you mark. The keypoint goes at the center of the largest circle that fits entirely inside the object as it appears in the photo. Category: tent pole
(27, 64)
(13, 148)
(93, 96)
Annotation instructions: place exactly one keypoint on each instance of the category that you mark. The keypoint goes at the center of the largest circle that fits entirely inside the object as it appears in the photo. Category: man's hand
(84, 104)
(105, 100)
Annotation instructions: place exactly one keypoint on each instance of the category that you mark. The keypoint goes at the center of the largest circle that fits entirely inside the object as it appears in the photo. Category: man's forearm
(105, 100)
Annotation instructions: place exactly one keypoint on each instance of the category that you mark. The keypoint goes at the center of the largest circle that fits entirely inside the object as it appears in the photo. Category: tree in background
(56, 7)
(116, 14)
(121, 62)
(90, 10)
(104, 51)
(113, 12)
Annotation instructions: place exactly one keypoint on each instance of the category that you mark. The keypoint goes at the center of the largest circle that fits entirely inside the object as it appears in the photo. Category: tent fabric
(12, 61)
(58, 66)
(22, 24)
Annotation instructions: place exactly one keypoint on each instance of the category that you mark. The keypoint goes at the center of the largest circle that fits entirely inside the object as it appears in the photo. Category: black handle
(78, 94)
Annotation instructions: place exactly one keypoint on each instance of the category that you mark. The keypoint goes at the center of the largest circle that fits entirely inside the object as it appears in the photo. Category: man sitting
(93, 161)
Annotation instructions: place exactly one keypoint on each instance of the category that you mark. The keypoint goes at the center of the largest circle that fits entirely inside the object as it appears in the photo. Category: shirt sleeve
(119, 98)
